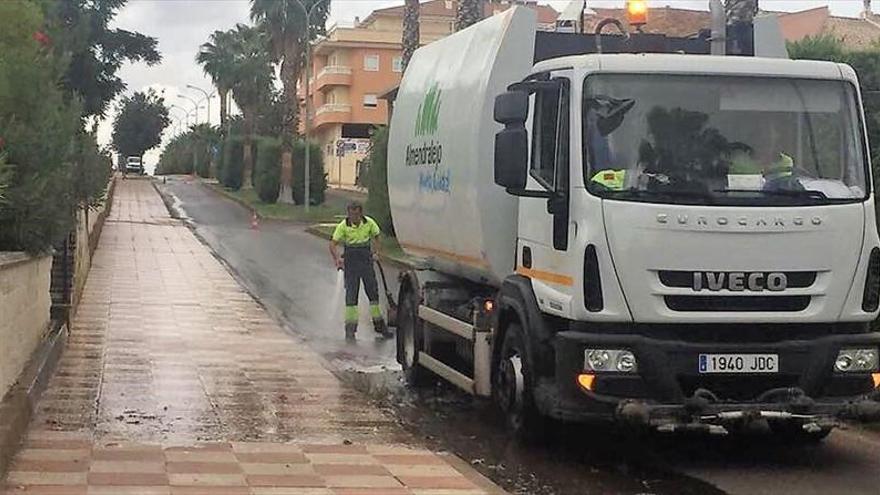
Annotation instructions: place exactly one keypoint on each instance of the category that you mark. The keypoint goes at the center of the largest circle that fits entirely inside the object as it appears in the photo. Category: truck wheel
(410, 342)
(512, 387)
(794, 433)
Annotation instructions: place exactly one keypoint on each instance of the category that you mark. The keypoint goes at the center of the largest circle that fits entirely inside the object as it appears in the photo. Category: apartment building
(352, 66)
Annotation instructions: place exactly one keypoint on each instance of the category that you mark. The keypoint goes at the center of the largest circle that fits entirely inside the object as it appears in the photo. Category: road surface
(288, 270)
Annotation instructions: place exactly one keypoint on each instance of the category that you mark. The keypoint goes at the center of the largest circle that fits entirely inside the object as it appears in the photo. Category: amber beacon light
(637, 12)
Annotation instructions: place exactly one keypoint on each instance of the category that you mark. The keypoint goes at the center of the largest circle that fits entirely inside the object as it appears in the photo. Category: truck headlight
(619, 360)
(856, 360)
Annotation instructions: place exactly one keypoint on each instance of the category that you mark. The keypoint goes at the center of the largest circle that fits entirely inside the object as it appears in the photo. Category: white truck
(677, 242)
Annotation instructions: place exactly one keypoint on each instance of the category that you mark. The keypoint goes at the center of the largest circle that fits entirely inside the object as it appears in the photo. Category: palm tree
(410, 39)
(469, 13)
(288, 31)
(740, 10)
(216, 58)
(251, 84)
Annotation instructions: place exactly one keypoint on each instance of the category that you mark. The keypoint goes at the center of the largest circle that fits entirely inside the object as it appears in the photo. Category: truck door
(544, 223)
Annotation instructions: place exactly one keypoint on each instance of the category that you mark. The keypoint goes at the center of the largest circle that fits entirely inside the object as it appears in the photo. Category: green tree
(80, 35)
(288, 30)
(194, 147)
(410, 38)
(825, 46)
(378, 205)
(252, 85)
(217, 58)
(139, 123)
(469, 13)
(38, 126)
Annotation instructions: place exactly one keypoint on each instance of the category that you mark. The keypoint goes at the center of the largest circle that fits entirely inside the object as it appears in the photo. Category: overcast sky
(182, 25)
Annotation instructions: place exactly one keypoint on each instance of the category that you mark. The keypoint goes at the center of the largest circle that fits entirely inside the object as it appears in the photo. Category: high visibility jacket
(611, 179)
(742, 164)
(359, 235)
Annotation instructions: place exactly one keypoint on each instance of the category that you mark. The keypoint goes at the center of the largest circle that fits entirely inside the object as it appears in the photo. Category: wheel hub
(512, 383)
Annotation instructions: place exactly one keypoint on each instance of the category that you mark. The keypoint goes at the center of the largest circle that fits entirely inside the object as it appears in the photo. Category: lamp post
(185, 112)
(195, 105)
(308, 13)
(208, 97)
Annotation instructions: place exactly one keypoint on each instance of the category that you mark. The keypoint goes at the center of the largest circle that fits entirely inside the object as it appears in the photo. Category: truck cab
(704, 229)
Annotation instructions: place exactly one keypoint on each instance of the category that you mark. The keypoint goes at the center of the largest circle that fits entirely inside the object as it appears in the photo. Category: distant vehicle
(134, 165)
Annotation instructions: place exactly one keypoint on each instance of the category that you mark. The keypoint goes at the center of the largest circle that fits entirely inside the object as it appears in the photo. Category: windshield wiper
(672, 193)
(791, 193)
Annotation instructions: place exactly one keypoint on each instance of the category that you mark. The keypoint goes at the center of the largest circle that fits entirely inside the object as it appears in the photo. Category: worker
(765, 158)
(359, 234)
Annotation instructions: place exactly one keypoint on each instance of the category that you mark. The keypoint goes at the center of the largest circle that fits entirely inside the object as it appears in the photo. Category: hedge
(317, 176)
(267, 181)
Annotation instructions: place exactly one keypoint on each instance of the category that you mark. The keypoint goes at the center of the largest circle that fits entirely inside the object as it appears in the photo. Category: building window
(370, 101)
(371, 63)
(397, 64)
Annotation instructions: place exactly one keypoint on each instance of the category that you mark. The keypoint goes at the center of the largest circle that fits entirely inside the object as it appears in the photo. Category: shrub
(378, 204)
(317, 176)
(39, 128)
(268, 169)
(232, 165)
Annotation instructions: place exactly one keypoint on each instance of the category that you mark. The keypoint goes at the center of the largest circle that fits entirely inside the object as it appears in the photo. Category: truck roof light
(637, 12)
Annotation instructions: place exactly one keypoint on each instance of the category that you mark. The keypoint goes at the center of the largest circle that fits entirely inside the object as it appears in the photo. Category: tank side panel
(444, 202)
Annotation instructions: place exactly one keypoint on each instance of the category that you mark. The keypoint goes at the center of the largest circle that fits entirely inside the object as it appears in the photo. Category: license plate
(739, 363)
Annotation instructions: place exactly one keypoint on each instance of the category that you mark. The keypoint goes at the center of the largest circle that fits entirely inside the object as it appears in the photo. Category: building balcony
(332, 113)
(333, 75)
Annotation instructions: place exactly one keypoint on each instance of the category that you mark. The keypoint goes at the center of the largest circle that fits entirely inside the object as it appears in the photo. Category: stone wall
(24, 311)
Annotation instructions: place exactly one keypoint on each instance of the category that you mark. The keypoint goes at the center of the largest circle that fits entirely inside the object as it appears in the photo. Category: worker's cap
(355, 205)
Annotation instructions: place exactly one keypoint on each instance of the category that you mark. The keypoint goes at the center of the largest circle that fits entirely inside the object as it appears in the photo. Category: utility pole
(308, 13)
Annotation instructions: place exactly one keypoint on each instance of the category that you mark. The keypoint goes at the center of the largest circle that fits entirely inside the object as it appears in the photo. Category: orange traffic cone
(255, 221)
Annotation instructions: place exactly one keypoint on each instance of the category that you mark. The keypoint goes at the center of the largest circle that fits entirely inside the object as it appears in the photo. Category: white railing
(334, 69)
(333, 107)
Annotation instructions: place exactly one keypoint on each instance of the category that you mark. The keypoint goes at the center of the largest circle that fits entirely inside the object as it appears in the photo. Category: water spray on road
(333, 315)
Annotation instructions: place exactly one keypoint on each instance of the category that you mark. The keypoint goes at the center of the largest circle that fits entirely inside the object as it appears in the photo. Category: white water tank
(444, 201)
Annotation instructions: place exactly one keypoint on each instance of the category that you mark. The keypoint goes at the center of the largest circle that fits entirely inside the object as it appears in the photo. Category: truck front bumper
(669, 392)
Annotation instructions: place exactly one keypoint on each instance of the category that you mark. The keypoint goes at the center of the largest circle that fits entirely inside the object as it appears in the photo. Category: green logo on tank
(429, 111)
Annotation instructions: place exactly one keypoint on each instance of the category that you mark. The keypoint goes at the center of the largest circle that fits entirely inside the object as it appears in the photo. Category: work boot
(350, 330)
(381, 328)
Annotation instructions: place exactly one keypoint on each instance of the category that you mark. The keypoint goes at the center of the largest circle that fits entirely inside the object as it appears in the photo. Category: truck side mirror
(512, 143)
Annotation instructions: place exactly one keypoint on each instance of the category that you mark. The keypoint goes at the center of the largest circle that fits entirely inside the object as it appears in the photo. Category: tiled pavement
(176, 381)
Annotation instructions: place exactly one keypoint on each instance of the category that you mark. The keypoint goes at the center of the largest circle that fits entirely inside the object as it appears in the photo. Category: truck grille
(685, 279)
(737, 303)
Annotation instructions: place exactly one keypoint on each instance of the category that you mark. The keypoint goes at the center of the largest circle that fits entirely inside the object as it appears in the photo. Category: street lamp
(308, 13)
(195, 104)
(207, 97)
(185, 112)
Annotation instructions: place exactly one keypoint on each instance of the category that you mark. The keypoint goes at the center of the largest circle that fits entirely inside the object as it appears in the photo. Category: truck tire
(410, 341)
(512, 387)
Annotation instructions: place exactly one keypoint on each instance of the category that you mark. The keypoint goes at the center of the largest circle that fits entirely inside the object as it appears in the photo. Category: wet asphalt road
(289, 271)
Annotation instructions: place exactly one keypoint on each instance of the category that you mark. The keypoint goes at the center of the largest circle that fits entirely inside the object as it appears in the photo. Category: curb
(471, 474)
(17, 408)
(222, 192)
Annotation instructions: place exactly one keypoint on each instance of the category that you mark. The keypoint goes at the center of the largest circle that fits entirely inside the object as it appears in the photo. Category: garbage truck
(671, 242)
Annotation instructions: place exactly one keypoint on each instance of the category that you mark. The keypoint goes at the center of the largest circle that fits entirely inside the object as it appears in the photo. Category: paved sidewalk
(177, 381)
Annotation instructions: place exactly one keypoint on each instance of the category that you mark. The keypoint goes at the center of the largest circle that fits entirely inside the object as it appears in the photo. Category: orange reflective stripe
(553, 278)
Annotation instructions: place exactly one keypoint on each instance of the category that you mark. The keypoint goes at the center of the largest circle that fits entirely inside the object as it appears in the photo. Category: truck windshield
(722, 140)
